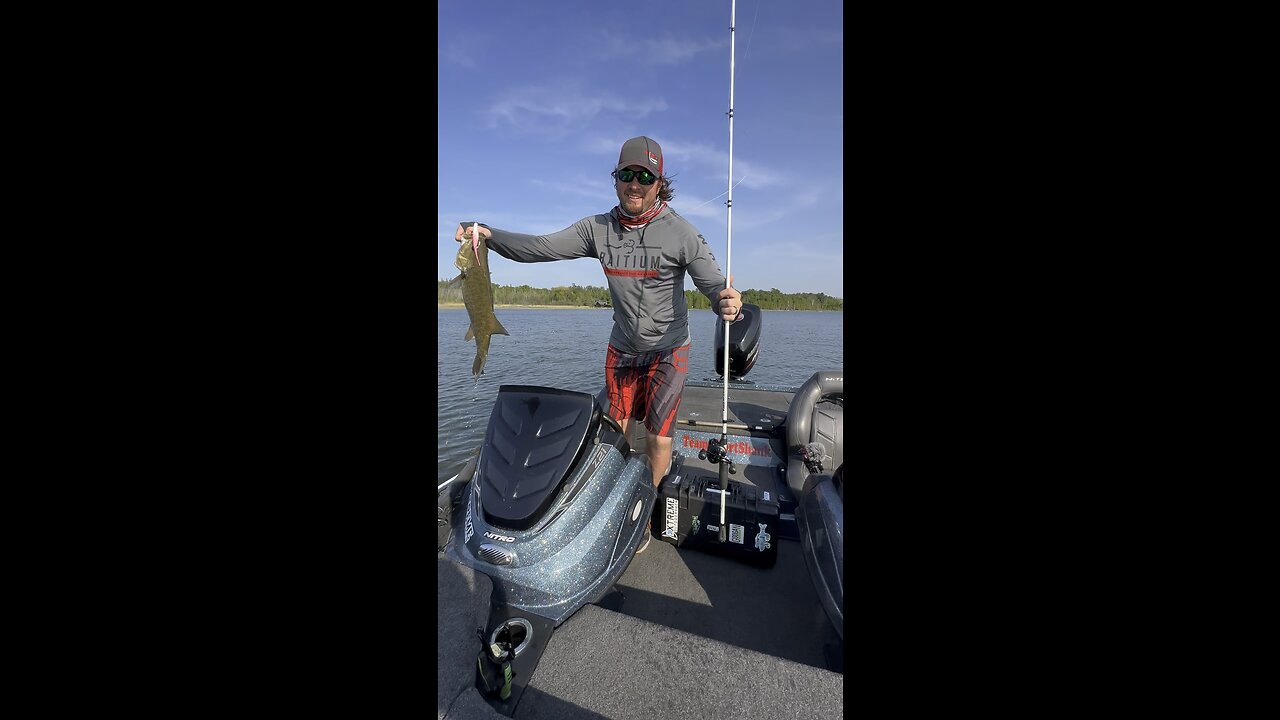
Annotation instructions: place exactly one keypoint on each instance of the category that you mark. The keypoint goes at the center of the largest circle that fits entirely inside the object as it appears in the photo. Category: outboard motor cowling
(744, 342)
(557, 505)
(536, 434)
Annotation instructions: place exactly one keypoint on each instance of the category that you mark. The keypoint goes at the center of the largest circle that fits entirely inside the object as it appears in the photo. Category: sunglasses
(644, 176)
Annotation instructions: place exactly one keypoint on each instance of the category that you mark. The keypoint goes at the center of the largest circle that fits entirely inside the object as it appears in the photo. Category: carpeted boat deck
(771, 610)
(603, 664)
(462, 606)
(676, 621)
(679, 619)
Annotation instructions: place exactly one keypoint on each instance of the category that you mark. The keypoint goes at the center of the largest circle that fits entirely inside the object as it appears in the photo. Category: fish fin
(500, 330)
(456, 282)
(482, 355)
(469, 334)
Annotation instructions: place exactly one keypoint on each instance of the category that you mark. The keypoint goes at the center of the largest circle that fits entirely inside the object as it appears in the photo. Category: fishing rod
(728, 265)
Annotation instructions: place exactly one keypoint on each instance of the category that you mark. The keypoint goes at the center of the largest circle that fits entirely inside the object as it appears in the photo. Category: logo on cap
(652, 158)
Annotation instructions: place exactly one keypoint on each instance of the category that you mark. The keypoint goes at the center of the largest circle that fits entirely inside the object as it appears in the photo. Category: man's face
(634, 197)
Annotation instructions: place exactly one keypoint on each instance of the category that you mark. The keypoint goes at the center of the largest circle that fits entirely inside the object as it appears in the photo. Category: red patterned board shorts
(646, 386)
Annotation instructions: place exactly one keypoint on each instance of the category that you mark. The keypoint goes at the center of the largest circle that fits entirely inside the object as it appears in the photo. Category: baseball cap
(642, 151)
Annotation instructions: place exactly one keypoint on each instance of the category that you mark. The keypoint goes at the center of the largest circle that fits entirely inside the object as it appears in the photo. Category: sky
(535, 99)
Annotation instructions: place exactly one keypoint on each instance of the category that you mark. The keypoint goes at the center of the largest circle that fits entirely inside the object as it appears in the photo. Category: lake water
(566, 348)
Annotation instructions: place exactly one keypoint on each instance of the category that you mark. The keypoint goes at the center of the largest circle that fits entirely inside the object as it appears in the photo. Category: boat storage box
(687, 515)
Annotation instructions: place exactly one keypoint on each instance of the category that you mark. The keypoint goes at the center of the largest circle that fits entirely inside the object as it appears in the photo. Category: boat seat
(816, 417)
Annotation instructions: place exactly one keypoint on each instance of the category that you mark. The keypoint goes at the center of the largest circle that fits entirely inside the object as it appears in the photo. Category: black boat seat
(816, 417)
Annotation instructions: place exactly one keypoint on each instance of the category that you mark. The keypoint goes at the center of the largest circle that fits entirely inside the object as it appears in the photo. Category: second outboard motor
(744, 342)
(553, 514)
(556, 507)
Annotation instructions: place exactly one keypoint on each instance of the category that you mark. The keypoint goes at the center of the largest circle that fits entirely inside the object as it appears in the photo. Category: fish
(477, 295)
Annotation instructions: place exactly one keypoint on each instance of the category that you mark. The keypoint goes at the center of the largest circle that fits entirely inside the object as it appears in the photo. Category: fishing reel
(812, 455)
(717, 452)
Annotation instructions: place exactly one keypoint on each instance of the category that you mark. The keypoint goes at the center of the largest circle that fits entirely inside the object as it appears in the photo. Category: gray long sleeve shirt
(645, 268)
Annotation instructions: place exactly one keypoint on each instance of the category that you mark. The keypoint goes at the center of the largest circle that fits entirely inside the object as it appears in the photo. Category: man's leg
(662, 393)
(659, 452)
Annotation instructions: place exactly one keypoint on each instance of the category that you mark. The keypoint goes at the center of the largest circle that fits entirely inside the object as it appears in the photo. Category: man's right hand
(464, 233)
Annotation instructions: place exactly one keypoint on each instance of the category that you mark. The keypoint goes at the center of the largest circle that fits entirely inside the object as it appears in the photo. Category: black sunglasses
(644, 176)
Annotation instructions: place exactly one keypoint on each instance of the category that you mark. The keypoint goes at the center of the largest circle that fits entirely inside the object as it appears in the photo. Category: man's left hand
(730, 302)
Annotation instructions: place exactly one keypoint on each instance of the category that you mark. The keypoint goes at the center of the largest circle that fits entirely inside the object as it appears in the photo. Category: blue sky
(536, 98)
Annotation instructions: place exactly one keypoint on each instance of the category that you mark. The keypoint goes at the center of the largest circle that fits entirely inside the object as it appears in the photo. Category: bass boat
(545, 608)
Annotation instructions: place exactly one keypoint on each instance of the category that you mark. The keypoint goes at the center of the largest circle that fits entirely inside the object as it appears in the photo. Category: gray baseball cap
(642, 151)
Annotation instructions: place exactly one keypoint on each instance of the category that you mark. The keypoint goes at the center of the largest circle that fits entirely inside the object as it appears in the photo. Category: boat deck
(775, 611)
(604, 663)
(677, 619)
(758, 412)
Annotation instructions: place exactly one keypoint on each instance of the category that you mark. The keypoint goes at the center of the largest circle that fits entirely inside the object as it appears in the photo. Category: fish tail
(482, 355)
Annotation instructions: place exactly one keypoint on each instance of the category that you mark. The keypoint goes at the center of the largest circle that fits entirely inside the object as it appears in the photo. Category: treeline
(578, 295)
(572, 296)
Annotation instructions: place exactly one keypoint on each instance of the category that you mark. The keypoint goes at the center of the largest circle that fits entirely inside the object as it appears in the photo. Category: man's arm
(704, 270)
(572, 242)
(709, 280)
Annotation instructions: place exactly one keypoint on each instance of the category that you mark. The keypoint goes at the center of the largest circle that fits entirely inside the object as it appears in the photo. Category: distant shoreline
(443, 306)
(530, 307)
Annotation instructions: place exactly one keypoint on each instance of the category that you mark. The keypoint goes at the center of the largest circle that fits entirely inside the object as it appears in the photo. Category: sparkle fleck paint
(572, 560)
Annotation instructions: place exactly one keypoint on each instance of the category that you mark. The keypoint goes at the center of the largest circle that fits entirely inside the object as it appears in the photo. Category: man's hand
(730, 302)
(464, 233)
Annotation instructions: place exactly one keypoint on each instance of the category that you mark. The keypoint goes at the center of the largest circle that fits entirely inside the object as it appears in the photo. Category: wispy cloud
(818, 248)
(793, 39)
(707, 159)
(462, 52)
(790, 206)
(547, 108)
(700, 209)
(598, 189)
(664, 50)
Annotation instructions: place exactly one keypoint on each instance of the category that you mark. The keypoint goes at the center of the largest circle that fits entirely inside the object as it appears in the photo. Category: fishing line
(751, 34)
(746, 50)
(744, 177)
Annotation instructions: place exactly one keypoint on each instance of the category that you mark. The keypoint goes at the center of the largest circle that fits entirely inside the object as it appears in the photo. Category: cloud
(713, 161)
(793, 39)
(544, 108)
(598, 189)
(824, 249)
(792, 205)
(666, 50)
(460, 51)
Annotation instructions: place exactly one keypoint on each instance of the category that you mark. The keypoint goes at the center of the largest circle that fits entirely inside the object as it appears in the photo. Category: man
(645, 248)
